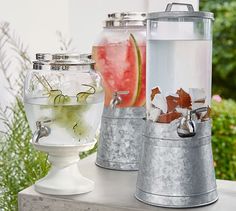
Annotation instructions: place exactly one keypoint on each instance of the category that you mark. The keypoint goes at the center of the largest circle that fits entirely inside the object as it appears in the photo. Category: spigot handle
(187, 126)
(41, 131)
(116, 98)
(199, 110)
(121, 93)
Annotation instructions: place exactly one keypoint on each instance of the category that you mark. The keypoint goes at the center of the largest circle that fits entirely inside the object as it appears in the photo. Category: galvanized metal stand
(121, 139)
(176, 172)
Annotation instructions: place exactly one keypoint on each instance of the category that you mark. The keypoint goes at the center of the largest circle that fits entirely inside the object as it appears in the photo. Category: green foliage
(224, 138)
(224, 45)
(20, 164)
(91, 151)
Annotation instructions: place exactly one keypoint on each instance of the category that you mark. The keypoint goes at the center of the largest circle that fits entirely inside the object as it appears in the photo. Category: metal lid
(62, 61)
(180, 14)
(126, 19)
(70, 57)
(43, 56)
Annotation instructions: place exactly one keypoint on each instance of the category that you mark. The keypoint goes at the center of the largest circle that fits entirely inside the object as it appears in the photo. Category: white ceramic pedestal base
(64, 177)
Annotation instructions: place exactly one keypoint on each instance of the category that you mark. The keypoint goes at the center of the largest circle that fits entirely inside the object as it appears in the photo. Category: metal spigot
(41, 131)
(187, 127)
(116, 98)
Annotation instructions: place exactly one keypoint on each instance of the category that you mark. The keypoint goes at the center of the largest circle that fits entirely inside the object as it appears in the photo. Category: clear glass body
(69, 102)
(179, 60)
(120, 55)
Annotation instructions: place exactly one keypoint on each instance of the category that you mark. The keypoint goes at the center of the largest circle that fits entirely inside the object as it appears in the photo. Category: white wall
(36, 21)
(86, 17)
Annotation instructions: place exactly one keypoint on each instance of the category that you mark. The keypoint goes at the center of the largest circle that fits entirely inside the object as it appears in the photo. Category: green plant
(91, 151)
(224, 138)
(20, 164)
(224, 45)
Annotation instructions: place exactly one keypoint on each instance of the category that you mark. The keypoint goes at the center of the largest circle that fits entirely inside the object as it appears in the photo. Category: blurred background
(28, 27)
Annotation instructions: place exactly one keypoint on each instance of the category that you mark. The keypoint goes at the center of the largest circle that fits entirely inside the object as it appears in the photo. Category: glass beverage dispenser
(179, 67)
(120, 55)
(176, 168)
(63, 100)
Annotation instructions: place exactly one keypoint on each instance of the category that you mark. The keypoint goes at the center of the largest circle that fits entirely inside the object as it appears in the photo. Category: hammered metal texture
(121, 137)
(174, 171)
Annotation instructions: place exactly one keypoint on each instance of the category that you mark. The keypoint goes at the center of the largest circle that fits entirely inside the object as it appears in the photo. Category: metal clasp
(116, 98)
(187, 127)
(189, 6)
(41, 131)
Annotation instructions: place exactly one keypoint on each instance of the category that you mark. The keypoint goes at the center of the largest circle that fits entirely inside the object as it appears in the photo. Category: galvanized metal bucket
(176, 172)
(121, 138)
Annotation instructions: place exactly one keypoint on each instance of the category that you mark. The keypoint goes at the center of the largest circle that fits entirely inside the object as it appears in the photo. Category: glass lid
(126, 19)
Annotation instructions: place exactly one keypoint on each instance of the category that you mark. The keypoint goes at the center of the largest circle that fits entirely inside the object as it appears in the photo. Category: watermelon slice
(141, 52)
(120, 65)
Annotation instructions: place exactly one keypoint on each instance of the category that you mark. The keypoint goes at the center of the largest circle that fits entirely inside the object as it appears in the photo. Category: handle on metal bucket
(116, 98)
(189, 6)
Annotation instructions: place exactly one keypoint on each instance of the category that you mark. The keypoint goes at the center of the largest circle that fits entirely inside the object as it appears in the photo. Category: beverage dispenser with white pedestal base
(63, 100)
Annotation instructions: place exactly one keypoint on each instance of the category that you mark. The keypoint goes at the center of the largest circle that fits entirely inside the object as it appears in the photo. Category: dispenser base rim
(158, 198)
(82, 185)
(117, 165)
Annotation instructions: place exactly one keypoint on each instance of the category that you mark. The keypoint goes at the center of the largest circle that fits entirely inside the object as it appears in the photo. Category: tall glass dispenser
(176, 168)
(179, 68)
(120, 55)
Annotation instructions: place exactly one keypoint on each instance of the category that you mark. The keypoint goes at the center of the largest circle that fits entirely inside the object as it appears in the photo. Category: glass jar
(63, 94)
(179, 55)
(120, 55)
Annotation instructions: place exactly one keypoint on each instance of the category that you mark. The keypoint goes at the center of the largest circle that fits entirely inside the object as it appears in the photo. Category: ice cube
(154, 114)
(183, 111)
(207, 115)
(197, 95)
(160, 102)
(197, 105)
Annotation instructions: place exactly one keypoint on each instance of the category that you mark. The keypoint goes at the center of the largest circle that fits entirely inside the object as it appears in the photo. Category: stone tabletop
(114, 191)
